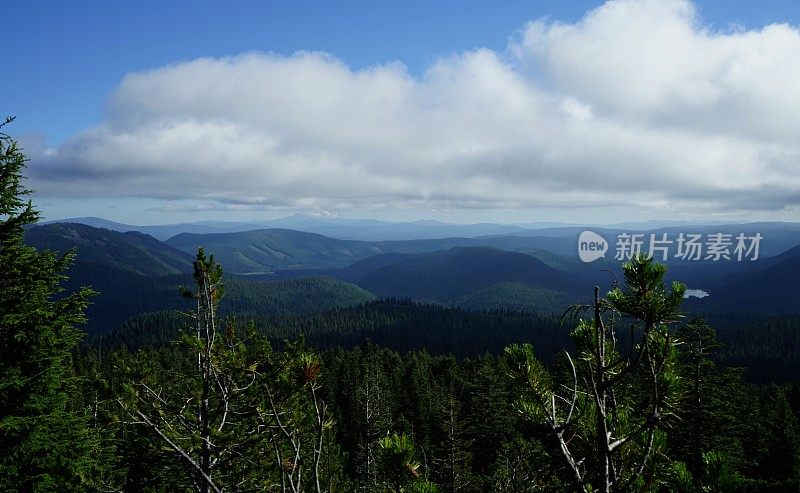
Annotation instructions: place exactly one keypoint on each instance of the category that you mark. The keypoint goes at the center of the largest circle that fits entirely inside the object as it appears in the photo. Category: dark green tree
(775, 444)
(201, 412)
(290, 407)
(698, 343)
(400, 467)
(608, 417)
(44, 443)
(233, 413)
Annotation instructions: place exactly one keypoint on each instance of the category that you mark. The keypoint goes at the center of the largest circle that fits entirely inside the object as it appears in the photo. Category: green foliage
(718, 474)
(423, 487)
(227, 412)
(525, 466)
(529, 373)
(467, 435)
(400, 466)
(291, 296)
(767, 348)
(401, 325)
(644, 296)
(516, 296)
(45, 442)
(612, 403)
(398, 460)
(131, 299)
(191, 411)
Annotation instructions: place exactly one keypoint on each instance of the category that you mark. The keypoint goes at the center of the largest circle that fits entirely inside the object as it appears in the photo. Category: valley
(301, 283)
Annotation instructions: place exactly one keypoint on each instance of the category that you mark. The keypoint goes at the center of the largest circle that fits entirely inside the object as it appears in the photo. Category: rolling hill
(273, 250)
(134, 273)
(163, 231)
(520, 297)
(242, 296)
(132, 251)
(124, 294)
(265, 250)
(770, 289)
(448, 274)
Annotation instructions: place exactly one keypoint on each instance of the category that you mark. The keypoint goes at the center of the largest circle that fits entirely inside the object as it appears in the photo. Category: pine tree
(400, 467)
(44, 445)
(608, 420)
(192, 415)
(235, 414)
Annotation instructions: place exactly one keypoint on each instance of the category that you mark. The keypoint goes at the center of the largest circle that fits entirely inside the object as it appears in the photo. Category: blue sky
(75, 53)
(68, 62)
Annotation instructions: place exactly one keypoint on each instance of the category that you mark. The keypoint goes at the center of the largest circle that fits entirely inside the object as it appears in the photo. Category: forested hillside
(132, 251)
(436, 413)
(275, 250)
(397, 324)
(263, 251)
(448, 274)
(123, 295)
(778, 277)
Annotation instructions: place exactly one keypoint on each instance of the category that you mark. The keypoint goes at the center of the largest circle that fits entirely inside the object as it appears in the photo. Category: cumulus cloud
(637, 104)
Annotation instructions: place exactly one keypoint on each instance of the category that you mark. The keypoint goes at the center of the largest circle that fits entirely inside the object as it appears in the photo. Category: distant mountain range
(373, 229)
(274, 251)
(282, 270)
(559, 238)
(349, 229)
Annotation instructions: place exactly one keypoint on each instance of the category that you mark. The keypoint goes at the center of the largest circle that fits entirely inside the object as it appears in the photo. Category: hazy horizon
(344, 220)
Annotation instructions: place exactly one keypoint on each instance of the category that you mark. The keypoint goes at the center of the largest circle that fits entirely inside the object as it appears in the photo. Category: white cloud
(638, 104)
